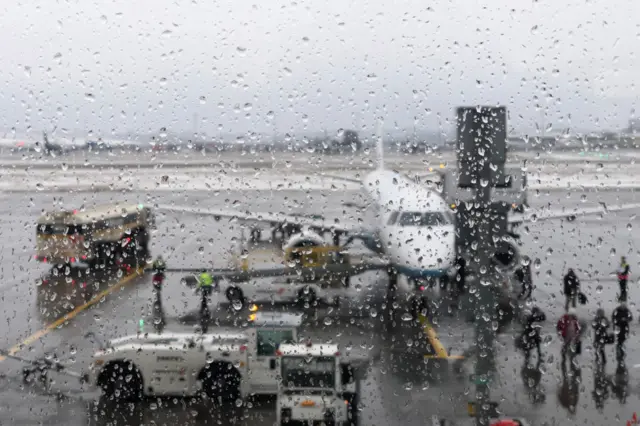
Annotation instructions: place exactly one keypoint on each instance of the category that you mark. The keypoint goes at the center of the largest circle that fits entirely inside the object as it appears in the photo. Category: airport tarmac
(401, 387)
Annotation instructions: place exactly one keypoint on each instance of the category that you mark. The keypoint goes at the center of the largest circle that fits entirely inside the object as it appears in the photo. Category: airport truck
(225, 365)
(318, 386)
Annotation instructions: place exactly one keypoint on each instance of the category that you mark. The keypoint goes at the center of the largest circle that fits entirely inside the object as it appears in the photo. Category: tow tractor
(225, 366)
(318, 386)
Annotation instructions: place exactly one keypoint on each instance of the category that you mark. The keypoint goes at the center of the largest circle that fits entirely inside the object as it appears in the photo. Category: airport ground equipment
(39, 369)
(319, 386)
(94, 236)
(225, 365)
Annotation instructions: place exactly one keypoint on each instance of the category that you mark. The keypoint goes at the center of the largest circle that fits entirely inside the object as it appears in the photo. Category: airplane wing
(568, 213)
(297, 273)
(277, 219)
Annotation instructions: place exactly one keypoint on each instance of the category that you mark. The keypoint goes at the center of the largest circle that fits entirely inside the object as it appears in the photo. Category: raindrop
(328, 321)
(65, 166)
(203, 100)
(406, 316)
(39, 186)
(57, 55)
(103, 18)
(238, 402)
(537, 263)
(305, 39)
(237, 305)
(166, 33)
(89, 97)
(163, 81)
(270, 115)
(248, 106)
(629, 226)
(372, 77)
(373, 313)
(27, 71)
(123, 86)
(358, 287)
(599, 289)
(534, 29)
(241, 50)
(287, 71)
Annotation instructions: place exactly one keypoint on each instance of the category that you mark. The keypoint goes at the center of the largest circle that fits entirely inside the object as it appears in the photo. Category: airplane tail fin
(380, 144)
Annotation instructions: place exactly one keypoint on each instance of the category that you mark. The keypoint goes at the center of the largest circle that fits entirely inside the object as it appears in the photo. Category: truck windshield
(305, 372)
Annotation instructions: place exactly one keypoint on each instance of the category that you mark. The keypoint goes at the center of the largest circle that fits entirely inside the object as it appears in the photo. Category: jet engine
(507, 257)
(302, 240)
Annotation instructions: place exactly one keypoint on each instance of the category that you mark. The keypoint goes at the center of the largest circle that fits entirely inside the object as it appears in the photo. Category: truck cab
(317, 386)
(266, 332)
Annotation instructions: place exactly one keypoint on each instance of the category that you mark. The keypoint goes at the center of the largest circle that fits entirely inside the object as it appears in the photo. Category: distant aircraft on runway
(415, 228)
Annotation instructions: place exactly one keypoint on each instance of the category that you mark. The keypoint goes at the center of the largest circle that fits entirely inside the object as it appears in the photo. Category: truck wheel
(306, 297)
(352, 410)
(121, 381)
(235, 296)
(221, 382)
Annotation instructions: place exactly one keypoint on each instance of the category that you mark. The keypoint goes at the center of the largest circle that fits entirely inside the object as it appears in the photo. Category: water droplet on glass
(57, 55)
(65, 166)
(537, 263)
(27, 71)
(203, 100)
(237, 305)
(406, 316)
(163, 81)
(328, 321)
(89, 97)
(39, 186)
(373, 313)
(166, 33)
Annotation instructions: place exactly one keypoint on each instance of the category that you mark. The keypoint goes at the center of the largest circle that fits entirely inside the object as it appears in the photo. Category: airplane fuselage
(416, 228)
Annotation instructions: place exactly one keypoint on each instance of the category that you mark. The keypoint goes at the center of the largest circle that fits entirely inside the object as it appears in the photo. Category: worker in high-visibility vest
(623, 277)
(205, 286)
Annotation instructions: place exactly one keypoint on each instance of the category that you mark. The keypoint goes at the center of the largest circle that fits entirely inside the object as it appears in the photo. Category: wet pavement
(402, 387)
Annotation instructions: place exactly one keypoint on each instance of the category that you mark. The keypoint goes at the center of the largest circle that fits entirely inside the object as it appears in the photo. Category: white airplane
(415, 227)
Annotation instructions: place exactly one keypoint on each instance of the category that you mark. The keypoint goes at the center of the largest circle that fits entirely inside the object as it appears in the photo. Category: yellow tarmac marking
(436, 344)
(68, 317)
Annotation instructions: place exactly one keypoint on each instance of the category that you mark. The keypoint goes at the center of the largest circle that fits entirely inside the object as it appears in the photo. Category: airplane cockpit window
(424, 219)
(410, 219)
(393, 218)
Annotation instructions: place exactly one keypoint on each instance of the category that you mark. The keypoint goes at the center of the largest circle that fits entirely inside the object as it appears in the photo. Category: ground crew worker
(461, 276)
(623, 276)
(571, 289)
(570, 330)
(205, 285)
(525, 277)
(621, 320)
(600, 335)
(158, 265)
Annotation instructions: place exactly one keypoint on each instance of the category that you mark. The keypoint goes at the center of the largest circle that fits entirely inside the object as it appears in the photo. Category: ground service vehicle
(94, 235)
(226, 365)
(318, 386)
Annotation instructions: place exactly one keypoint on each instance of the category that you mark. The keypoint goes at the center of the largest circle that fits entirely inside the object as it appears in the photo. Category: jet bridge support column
(481, 157)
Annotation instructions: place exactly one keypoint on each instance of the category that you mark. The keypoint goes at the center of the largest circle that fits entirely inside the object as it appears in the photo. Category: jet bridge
(509, 195)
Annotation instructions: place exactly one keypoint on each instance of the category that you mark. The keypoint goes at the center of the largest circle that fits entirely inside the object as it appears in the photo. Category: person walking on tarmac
(621, 320)
(531, 334)
(623, 277)
(205, 286)
(570, 330)
(571, 289)
(601, 336)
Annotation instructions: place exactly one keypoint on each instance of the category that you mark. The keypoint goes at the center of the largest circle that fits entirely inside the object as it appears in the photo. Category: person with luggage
(571, 289)
(601, 336)
(621, 320)
(530, 337)
(570, 331)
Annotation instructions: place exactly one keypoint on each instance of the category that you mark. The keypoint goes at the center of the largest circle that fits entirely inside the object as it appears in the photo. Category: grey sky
(333, 63)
